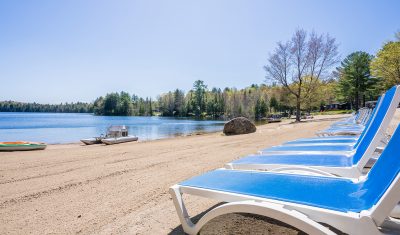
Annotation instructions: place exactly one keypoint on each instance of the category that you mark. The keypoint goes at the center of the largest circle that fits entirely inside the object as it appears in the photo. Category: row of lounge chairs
(352, 126)
(318, 185)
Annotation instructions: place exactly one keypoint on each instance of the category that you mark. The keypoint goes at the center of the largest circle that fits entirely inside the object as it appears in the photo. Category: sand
(123, 189)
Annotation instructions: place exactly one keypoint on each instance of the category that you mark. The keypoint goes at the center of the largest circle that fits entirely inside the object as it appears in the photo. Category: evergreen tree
(111, 102)
(179, 103)
(273, 104)
(355, 78)
(125, 106)
(260, 109)
(199, 102)
(150, 108)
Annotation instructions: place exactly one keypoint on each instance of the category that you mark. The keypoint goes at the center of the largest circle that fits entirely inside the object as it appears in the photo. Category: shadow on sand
(240, 224)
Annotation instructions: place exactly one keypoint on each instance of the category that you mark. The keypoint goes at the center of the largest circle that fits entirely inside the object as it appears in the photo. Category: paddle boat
(117, 135)
(94, 140)
(21, 146)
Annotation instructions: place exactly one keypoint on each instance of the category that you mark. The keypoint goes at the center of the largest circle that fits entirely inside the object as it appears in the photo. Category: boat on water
(21, 146)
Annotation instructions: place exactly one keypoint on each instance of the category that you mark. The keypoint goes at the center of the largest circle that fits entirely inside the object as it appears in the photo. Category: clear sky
(76, 50)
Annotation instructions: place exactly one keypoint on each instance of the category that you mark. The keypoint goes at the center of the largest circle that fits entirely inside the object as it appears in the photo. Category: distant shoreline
(88, 113)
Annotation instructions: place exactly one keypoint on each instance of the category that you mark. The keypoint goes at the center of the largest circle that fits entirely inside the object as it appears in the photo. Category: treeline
(255, 102)
(79, 107)
(123, 104)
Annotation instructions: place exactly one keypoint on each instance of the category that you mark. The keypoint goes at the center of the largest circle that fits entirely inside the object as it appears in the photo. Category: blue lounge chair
(309, 203)
(377, 126)
(348, 127)
(349, 140)
(360, 118)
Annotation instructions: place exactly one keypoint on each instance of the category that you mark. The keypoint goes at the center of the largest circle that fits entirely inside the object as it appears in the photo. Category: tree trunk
(298, 101)
(363, 100)
(298, 115)
(357, 95)
(357, 101)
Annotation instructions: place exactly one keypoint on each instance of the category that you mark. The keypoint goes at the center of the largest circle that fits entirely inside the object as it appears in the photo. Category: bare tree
(303, 59)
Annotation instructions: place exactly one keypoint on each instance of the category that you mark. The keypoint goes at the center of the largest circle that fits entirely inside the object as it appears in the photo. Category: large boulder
(238, 126)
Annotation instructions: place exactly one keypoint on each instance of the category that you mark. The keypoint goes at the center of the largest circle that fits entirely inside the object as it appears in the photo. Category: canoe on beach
(21, 146)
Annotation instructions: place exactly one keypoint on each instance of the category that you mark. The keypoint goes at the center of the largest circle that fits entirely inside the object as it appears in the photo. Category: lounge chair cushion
(337, 194)
(322, 141)
(299, 148)
(334, 160)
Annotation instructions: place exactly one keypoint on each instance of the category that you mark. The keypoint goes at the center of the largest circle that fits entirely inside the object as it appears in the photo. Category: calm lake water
(69, 128)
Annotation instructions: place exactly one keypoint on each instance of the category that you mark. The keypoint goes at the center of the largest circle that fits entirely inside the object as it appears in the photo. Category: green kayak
(21, 146)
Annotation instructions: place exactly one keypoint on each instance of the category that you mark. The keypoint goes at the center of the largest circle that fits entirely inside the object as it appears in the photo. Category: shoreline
(198, 133)
(123, 188)
(141, 141)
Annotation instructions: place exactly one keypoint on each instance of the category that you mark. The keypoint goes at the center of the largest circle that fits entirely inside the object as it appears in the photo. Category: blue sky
(76, 50)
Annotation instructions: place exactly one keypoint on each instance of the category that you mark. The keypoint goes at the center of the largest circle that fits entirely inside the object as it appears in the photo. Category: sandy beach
(123, 189)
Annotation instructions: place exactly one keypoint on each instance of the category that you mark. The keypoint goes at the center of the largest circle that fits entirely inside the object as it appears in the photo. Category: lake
(56, 128)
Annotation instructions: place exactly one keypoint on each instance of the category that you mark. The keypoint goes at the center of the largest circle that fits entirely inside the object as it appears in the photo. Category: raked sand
(123, 189)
